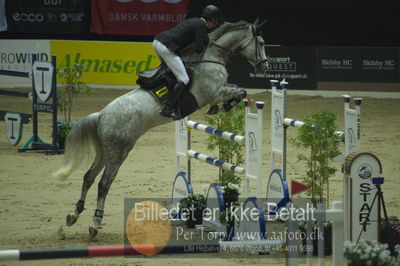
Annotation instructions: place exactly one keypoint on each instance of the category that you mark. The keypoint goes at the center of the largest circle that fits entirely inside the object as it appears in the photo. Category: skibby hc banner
(136, 17)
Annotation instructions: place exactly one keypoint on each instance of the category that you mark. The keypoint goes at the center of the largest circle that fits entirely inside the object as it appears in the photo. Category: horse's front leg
(231, 95)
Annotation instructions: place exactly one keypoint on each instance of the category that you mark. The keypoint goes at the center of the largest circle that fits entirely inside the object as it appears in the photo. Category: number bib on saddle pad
(160, 81)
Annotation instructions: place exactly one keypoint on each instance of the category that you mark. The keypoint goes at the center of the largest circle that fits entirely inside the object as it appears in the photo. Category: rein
(206, 61)
(231, 52)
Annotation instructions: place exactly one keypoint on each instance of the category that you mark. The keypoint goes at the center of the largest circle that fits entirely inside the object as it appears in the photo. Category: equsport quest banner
(106, 63)
(136, 17)
(294, 64)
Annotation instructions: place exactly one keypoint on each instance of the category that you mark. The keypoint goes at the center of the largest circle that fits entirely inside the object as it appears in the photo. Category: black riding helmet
(211, 12)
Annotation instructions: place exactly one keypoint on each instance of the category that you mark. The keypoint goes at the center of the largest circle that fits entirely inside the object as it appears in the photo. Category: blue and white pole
(216, 132)
(216, 162)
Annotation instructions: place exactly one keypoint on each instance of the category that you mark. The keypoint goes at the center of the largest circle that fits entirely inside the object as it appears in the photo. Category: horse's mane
(188, 52)
(226, 26)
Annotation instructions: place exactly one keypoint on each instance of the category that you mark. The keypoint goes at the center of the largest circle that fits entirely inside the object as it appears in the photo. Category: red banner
(136, 17)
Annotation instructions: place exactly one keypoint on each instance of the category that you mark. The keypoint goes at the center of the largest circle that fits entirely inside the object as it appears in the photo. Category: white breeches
(173, 61)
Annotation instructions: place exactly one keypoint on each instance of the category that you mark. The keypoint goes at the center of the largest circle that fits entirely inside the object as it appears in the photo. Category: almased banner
(136, 17)
(358, 64)
(48, 16)
(294, 64)
(106, 63)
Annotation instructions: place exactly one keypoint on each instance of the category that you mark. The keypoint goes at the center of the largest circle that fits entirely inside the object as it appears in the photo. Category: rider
(170, 43)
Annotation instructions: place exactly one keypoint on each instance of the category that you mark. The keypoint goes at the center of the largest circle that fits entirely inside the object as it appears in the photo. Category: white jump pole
(253, 148)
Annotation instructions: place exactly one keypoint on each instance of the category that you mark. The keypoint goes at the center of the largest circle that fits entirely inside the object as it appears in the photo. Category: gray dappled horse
(113, 131)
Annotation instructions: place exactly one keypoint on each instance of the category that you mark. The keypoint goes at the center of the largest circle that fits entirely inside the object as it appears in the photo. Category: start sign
(361, 215)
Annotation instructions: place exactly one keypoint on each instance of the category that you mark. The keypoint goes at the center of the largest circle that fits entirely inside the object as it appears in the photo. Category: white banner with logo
(16, 55)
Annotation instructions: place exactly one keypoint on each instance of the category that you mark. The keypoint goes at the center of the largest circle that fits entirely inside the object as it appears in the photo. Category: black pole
(34, 102)
(54, 101)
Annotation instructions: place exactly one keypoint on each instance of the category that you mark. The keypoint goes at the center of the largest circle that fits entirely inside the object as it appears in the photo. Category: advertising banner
(108, 63)
(136, 17)
(47, 16)
(16, 55)
(294, 64)
(358, 64)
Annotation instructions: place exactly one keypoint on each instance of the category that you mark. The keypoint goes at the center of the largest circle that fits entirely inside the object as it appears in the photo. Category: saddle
(160, 81)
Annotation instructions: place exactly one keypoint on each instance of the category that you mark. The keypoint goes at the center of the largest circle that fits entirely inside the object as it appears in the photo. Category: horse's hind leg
(107, 178)
(88, 180)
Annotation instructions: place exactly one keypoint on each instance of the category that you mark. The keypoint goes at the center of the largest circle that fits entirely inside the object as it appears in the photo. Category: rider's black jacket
(192, 30)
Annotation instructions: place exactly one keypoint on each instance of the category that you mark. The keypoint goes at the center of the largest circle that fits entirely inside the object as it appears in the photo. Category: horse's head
(231, 38)
(252, 47)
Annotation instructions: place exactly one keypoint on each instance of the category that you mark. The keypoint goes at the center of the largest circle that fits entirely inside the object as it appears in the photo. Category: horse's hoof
(71, 219)
(92, 233)
(214, 109)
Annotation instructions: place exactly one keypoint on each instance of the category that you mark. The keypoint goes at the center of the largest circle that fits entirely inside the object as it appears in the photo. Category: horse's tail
(79, 145)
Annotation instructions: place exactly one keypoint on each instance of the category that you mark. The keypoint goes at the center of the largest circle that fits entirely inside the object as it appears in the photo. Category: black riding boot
(170, 109)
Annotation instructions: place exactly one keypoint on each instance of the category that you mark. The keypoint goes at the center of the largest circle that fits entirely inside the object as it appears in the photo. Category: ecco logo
(28, 17)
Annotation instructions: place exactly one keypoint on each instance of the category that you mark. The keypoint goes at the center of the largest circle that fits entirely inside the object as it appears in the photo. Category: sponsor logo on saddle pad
(160, 93)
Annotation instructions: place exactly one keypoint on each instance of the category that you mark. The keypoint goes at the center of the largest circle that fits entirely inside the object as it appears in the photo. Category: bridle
(234, 51)
(257, 48)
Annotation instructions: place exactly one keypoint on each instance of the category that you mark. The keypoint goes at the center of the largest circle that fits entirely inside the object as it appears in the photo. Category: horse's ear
(260, 26)
(256, 22)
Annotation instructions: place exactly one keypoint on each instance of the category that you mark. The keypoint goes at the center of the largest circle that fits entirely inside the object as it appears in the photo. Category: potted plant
(63, 129)
(72, 87)
(318, 136)
(231, 152)
(228, 151)
(192, 207)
